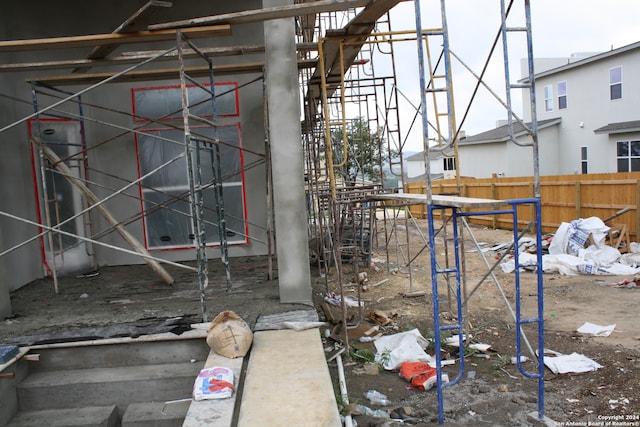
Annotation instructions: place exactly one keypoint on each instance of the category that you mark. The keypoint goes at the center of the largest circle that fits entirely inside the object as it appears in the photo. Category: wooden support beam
(31, 357)
(362, 25)
(264, 14)
(110, 39)
(93, 200)
(127, 58)
(161, 74)
(135, 22)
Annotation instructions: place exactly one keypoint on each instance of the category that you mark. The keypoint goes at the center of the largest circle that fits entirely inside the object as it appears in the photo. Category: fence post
(494, 221)
(532, 210)
(637, 209)
(578, 200)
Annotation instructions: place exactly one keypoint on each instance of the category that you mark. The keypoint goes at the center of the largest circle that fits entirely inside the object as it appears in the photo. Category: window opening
(562, 95)
(548, 98)
(615, 83)
(628, 156)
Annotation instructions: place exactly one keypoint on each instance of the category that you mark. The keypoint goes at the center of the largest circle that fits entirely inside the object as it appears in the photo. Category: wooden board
(109, 39)
(159, 74)
(450, 201)
(135, 22)
(267, 13)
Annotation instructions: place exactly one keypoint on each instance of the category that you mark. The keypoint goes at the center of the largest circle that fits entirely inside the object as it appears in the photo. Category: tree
(364, 152)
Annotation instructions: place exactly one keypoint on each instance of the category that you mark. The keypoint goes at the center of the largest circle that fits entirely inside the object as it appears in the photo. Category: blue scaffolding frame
(452, 207)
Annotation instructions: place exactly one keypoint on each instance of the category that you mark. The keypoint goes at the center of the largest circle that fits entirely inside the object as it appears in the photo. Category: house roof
(594, 58)
(620, 127)
(501, 134)
(419, 156)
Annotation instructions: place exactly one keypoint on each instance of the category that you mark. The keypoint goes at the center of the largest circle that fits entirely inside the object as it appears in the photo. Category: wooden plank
(362, 25)
(135, 22)
(107, 39)
(135, 57)
(264, 14)
(451, 201)
(160, 74)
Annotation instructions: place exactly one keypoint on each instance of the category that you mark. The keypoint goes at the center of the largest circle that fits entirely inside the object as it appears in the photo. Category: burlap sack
(229, 335)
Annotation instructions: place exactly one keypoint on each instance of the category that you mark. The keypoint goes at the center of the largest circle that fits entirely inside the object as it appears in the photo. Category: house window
(583, 159)
(615, 83)
(165, 102)
(165, 191)
(449, 163)
(562, 95)
(628, 156)
(548, 98)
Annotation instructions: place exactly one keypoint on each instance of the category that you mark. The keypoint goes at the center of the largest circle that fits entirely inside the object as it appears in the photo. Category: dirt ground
(130, 300)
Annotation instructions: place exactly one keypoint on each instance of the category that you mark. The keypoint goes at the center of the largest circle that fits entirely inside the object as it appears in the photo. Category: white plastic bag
(408, 346)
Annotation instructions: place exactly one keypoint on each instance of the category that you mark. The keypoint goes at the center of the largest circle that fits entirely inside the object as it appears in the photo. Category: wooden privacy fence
(564, 198)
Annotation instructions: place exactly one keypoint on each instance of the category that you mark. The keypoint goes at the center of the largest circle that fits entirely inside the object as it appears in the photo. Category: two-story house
(588, 111)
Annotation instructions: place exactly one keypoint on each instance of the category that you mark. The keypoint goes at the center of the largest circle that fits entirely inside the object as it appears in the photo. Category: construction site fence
(563, 198)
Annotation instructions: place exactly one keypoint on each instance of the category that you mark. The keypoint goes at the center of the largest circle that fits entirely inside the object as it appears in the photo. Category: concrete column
(281, 77)
(5, 300)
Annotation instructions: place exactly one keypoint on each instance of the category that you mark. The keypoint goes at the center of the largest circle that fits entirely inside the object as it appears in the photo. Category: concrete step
(127, 353)
(106, 386)
(157, 414)
(103, 416)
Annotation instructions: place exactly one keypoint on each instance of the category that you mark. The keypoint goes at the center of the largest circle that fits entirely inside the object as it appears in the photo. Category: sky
(559, 28)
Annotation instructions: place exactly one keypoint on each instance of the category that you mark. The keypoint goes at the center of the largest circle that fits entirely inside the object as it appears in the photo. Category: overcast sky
(560, 28)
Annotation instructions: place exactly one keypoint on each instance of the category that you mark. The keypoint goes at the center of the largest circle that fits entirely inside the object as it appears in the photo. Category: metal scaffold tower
(448, 271)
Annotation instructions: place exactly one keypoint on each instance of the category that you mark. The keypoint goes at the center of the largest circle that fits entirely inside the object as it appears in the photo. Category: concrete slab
(215, 412)
(288, 382)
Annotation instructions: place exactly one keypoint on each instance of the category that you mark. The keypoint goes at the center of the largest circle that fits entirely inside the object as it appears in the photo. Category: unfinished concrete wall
(40, 19)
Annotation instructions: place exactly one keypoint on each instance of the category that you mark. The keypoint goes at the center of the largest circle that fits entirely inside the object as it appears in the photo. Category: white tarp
(568, 256)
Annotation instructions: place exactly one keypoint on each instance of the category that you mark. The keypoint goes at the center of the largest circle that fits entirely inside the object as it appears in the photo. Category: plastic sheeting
(568, 255)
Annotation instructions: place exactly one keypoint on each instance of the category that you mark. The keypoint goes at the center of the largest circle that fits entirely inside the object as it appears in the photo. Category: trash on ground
(480, 347)
(454, 341)
(335, 299)
(566, 363)
(381, 318)
(365, 410)
(393, 350)
(597, 330)
(420, 375)
(213, 383)
(414, 294)
(629, 284)
(229, 335)
(377, 398)
(523, 359)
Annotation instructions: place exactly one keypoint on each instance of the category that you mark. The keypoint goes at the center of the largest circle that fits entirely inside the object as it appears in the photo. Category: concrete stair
(74, 388)
(103, 416)
(129, 384)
